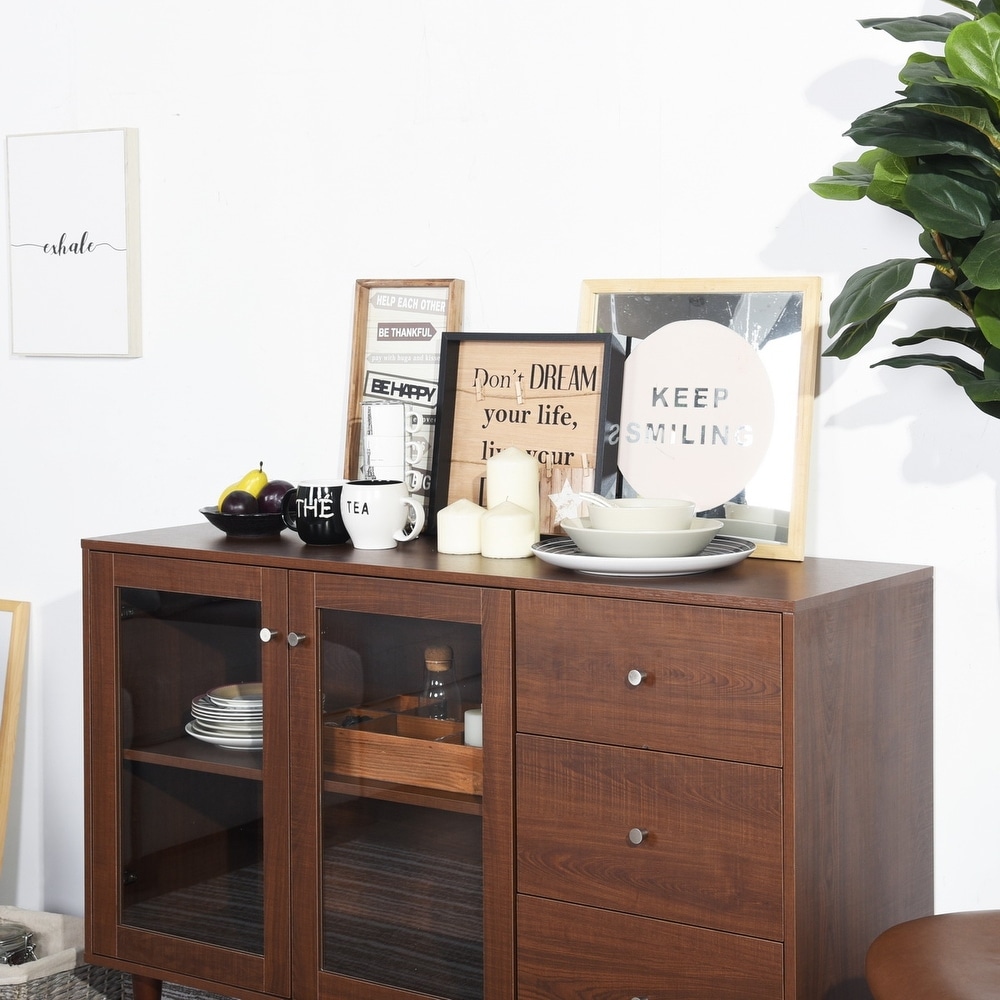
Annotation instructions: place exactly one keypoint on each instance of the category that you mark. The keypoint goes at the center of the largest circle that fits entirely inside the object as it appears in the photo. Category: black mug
(312, 510)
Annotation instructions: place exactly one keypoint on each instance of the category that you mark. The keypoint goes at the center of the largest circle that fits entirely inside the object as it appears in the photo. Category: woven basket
(87, 982)
(60, 972)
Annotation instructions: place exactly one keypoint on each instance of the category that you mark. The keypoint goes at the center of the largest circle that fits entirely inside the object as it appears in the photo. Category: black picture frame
(555, 372)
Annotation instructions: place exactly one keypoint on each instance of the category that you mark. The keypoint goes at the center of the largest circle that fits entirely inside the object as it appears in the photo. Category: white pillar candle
(509, 531)
(474, 727)
(459, 528)
(513, 475)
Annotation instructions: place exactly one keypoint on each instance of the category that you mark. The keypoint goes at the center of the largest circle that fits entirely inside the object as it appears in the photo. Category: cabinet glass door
(403, 817)
(191, 781)
(187, 715)
(402, 805)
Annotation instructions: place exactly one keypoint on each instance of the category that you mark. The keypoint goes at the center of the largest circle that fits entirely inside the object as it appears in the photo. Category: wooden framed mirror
(13, 628)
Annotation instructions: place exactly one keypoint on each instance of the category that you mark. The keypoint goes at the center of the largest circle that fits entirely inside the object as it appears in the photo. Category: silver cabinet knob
(294, 638)
(267, 634)
(637, 835)
(635, 677)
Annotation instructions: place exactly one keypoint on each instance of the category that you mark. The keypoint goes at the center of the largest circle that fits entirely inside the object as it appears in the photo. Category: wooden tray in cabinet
(404, 749)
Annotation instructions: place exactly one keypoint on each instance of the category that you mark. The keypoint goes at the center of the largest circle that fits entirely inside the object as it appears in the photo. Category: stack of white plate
(231, 716)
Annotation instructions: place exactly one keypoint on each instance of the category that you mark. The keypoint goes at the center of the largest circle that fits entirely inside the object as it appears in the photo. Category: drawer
(711, 854)
(582, 953)
(709, 679)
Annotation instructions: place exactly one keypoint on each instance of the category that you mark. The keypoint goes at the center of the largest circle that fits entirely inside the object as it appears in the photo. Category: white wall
(289, 148)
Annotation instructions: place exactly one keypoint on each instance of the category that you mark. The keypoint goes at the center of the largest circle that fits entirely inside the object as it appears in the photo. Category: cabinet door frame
(492, 611)
(108, 939)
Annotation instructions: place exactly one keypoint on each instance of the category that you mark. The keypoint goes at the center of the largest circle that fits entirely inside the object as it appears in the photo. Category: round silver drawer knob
(637, 835)
(267, 634)
(294, 638)
(635, 677)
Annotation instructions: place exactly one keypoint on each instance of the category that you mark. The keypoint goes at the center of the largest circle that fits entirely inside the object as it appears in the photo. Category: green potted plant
(934, 156)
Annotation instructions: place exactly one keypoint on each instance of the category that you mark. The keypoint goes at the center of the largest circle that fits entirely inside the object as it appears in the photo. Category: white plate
(225, 740)
(641, 544)
(237, 728)
(721, 551)
(237, 695)
(203, 705)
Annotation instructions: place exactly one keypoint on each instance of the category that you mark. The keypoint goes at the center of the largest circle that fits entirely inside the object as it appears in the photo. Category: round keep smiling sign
(697, 413)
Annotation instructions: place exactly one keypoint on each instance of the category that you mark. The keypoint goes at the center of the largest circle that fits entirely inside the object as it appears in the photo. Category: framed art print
(718, 397)
(553, 396)
(392, 405)
(73, 221)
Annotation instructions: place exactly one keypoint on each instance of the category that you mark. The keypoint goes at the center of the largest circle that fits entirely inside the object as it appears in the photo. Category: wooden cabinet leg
(144, 988)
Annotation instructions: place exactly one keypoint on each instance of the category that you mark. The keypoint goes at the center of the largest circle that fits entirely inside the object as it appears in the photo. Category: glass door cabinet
(283, 810)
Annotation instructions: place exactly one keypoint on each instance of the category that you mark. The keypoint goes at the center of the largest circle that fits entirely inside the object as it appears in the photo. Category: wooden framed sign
(554, 396)
(718, 397)
(398, 325)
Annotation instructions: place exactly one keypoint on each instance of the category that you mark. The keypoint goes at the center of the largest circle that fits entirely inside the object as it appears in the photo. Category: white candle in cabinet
(509, 531)
(513, 475)
(474, 727)
(459, 528)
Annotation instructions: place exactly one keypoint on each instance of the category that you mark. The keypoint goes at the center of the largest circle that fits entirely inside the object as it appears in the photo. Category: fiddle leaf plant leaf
(964, 336)
(888, 183)
(924, 69)
(866, 292)
(975, 117)
(850, 178)
(985, 393)
(855, 337)
(986, 312)
(982, 265)
(948, 204)
(841, 187)
(929, 28)
(968, 6)
(910, 130)
(959, 369)
(972, 51)
(991, 364)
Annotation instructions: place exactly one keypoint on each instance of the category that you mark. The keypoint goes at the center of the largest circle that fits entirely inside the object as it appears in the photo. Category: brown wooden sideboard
(701, 787)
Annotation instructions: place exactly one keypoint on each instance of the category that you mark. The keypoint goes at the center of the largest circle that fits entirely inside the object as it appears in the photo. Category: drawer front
(708, 679)
(710, 851)
(582, 953)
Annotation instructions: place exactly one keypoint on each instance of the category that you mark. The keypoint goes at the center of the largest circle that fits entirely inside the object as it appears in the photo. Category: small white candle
(459, 528)
(513, 475)
(508, 531)
(474, 727)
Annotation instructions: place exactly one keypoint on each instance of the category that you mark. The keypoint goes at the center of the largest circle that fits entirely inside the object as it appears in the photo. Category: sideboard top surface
(759, 583)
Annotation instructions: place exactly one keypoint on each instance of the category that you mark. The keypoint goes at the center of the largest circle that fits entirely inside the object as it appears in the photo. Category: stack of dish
(688, 541)
(231, 716)
(636, 527)
(642, 537)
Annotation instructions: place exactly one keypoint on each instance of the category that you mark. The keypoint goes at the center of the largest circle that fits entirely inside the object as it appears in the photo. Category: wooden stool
(949, 956)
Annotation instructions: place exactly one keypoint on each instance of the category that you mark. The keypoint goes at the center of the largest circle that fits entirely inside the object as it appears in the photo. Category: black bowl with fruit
(246, 515)
(245, 525)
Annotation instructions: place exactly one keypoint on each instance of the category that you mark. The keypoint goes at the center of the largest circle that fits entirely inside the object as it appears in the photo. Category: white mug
(375, 512)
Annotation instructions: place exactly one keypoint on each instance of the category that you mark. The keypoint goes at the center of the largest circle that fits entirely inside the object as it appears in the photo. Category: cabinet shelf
(190, 754)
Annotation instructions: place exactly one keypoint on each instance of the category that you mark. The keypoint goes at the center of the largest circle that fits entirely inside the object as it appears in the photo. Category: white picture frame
(73, 230)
